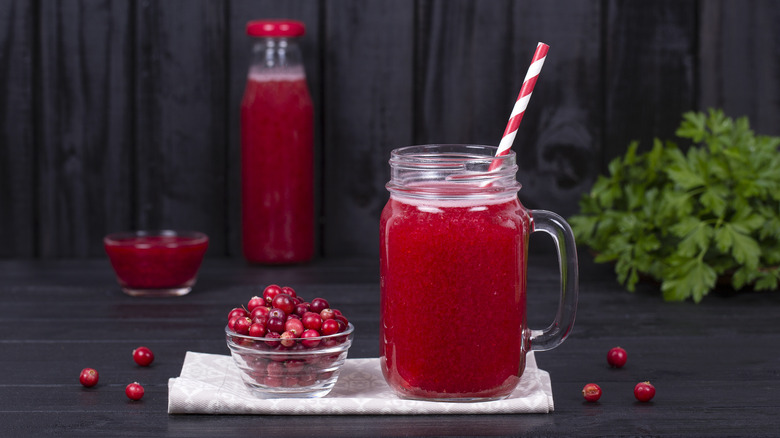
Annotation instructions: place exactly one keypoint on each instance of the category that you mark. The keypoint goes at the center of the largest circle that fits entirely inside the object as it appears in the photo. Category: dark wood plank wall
(122, 114)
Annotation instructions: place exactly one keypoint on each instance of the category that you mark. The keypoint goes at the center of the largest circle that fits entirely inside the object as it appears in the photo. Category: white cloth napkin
(211, 384)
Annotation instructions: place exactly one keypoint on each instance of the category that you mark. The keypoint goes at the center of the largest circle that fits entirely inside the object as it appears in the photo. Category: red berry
(312, 321)
(343, 319)
(307, 341)
(288, 339)
(270, 292)
(143, 356)
(285, 303)
(277, 313)
(319, 304)
(275, 324)
(302, 308)
(134, 391)
(289, 291)
(617, 357)
(644, 391)
(238, 311)
(255, 302)
(88, 377)
(294, 326)
(591, 392)
(241, 326)
(329, 327)
(327, 314)
(272, 335)
(257, 330)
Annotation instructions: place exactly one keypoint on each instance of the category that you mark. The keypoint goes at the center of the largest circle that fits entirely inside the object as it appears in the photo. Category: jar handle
(560, 231)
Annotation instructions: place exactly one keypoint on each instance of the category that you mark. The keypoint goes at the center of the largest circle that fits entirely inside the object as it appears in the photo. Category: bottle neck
(276, 53)
(452, 172)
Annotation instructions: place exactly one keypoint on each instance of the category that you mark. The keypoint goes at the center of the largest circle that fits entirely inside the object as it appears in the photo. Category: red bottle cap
(275, 28)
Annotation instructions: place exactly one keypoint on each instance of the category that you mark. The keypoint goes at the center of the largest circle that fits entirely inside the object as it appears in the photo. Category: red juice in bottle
(277, 149)
(453, 296)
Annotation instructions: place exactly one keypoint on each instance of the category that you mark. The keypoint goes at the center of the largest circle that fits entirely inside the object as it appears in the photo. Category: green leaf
(744, 248)
(692, 278)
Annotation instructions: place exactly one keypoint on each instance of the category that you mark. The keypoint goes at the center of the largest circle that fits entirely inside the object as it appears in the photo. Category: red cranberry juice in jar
(277, 149)
(453, 247)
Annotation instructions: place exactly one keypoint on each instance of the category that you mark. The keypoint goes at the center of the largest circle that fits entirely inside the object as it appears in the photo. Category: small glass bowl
(271, 370)
(160, 263)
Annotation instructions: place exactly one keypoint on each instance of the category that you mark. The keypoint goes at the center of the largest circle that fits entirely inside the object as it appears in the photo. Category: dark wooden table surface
(716, 365)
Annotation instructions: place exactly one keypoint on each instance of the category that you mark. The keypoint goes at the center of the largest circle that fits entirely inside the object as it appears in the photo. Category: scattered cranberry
(270, 292)
(319, 304)
(591, 392)
(88, 377)
(134, 391)
(143, 356)
(644, 391)
(617, 357)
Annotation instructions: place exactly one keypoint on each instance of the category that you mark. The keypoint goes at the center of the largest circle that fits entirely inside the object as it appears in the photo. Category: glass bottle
(277, 133)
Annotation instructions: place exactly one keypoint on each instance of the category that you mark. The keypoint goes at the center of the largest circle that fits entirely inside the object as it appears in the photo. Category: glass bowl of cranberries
(287, 347)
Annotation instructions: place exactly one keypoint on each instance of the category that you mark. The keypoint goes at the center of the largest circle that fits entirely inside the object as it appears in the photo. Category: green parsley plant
(689, 218)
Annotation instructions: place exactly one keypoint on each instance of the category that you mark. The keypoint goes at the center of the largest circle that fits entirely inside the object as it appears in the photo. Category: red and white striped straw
(522, 101)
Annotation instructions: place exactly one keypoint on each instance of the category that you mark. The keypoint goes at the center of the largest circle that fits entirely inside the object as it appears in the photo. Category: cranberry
(260, 311)
(292, 316)
(232, 322)
(294, 326)
(302, 308)
(270, 292)
(298, 300)
(143, 356)
(134, 391)
(289, 291)
(312, 321)
(319, 304)
(343, 319)
(272, 335)
(329, 327)
(88, 377)
(294, 366)
(275, 324)
(288, 339)
(617, 357)
(285, 303)
(644, 391)
(257, 330)
(327, 314)
(591, 392)
(255, 302)
(241, 326)
(238, 311)
(277, 313)
(275, 369)
(307, 341)
(260, 319)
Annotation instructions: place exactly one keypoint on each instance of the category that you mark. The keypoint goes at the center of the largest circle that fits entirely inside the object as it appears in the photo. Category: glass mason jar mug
(453, 251)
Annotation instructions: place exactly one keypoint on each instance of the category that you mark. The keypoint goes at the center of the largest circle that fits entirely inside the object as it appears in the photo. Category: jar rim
(452, 171)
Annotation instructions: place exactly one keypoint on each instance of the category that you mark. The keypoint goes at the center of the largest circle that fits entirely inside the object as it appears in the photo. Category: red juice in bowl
(277, 136)
(453, 248)
(156, 263)
(453, 303)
